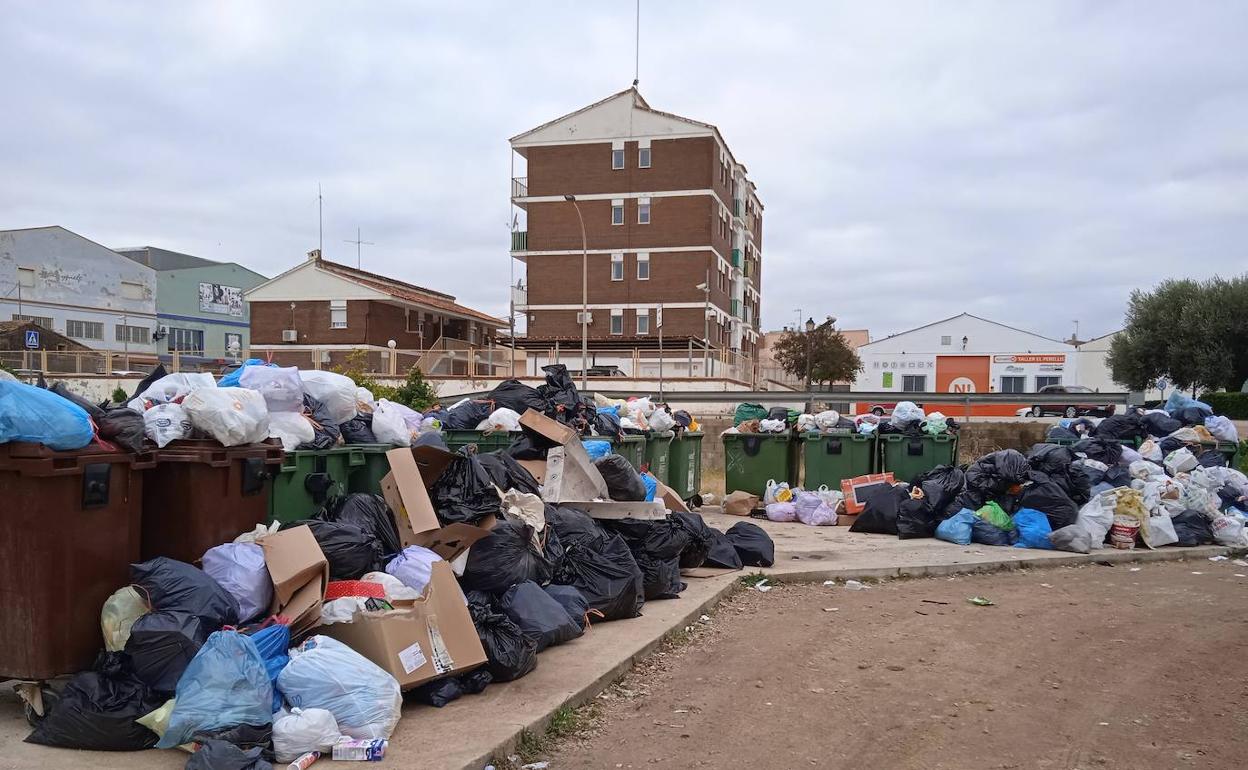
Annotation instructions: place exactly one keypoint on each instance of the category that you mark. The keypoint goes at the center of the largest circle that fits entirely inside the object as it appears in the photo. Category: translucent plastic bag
(828, 420)
(662, 420)
(388, 424)
(806, 423)
(414, 567)
(299, 731)
(166, 422)
(1228, 530)
(233, 416)
(936, 424)
(1160, 531)
(1222, 428)
(225, 685)
(831, 497)
(905, 412)
(395, 589)
(1150, 451)
(292, 429)
(772, 426)
(783, 512)
(240, 569)
(335, 391)
(819, 516)
(1097, 516)
(506, 420)
(777, 492)
(33, 414)
(325, 673)
(173, 387)
(120, 611)
(1180, 461)
(281, 387)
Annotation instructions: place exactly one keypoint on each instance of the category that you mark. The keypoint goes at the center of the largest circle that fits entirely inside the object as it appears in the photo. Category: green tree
(1193, 333)
(415, 392)
(831, 358)
(120, 396)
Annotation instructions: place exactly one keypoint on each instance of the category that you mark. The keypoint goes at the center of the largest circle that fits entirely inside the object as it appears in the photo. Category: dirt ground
(1078, 667)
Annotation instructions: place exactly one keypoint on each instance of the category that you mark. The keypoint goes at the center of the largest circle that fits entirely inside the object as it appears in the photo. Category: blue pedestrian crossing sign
(32, 339)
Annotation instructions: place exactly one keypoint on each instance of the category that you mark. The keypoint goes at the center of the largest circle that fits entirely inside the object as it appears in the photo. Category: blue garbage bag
(598, 449)
(1179, 401)
(1033, 529)
(652, 486)
(957, 528)
(231, 380)
(272, 642)
(615, 410)
(33, 414)
(226, 685)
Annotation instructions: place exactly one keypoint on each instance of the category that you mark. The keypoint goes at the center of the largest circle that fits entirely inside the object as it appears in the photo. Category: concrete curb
(537, 724)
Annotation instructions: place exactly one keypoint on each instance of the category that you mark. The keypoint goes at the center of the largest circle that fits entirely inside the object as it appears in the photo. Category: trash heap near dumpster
(193, 614)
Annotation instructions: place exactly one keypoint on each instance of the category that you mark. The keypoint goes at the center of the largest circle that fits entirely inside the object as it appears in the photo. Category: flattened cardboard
(571, 477)
(536, 468)
(419, 641)
(552, 429)
(406, 489)
(700, 573)
(623, 509)
(300, 574)
(671, 499)
(851, 487)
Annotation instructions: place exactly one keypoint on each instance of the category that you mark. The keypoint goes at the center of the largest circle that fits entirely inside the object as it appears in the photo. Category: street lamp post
(705, 288)
(584, 295)
(810, 330)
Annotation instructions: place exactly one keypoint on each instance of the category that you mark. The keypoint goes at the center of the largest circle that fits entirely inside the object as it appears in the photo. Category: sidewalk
(468, 732)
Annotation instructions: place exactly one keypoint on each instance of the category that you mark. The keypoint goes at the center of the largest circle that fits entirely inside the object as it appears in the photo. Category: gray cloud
(1030, 163)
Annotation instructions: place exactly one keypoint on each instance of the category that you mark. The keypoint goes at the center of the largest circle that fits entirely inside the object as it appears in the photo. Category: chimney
(314, 255)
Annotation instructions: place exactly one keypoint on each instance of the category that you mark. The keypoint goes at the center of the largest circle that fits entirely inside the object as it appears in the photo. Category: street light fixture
(705, 288)
(584, 294)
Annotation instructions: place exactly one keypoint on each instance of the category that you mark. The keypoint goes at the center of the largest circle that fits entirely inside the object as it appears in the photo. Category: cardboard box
(846, 519)
(300, 574)
(406, 489)
(552, 429)
(851, 487)
(420, 640)
(671, 499)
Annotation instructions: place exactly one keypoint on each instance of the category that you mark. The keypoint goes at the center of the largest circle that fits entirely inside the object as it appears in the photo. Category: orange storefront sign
(962, 374)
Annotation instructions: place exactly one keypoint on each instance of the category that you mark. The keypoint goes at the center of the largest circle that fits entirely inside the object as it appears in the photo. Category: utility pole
(320, 222)
(659, 321)
(358, 243)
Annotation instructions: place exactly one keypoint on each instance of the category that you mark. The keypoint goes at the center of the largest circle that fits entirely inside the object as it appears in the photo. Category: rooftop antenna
(320, 228)
(637, 47)
(1076, 320)
(358, 243)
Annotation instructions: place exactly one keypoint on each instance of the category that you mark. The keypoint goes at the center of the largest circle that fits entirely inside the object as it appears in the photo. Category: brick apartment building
(666, 207)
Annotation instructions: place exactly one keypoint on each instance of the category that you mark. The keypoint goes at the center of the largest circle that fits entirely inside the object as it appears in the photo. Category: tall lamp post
(584, 295)
(705, 288)
(811, 328)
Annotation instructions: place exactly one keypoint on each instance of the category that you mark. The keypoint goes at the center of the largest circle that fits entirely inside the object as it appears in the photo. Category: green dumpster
(367, 476)
(632, 448)
(486, 441)
(684, 464)
(908, 456)
(832, 457)
(753, 459)
(658, 453)
(308, 478)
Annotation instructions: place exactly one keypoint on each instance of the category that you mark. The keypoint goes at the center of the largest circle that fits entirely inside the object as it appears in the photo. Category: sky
(1031, 163)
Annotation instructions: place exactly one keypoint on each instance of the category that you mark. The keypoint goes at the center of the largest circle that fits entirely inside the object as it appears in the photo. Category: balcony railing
(520, 240)
(519, 187)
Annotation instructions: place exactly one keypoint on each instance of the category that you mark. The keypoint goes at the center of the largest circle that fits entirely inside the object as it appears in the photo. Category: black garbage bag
(1058, 432)
(325, 433)
(222, 755)
(94, 411)
(941, 486)
(1084, 426)
(882, 505)
(701, 538)
(1099, 449)
(1046, 495)
(97, 711)
(754, 546)
(147, 381)
(358, 430)
(1121, 427)
(916, 518)
(1229, 496)
(552, 549)
(1211, 458)
(560, 392)
(538, 614)
(623, 480)
(122, 426)
(1159, 424)
(907, 428)
(476, 681)
(245, 737)
(1050, 458)
(606, 573)
(572, 525)
(994, 474)
(350, 550)
(662, 539)
(518, 397)
(439, 692)
(370, 513)
(1192, 528)
(161, 646)
(503, 558)
(430, 438)
(573, 602)
(683, 419)
(467, 416)
(987, 533)
(175, 585)
(1193, 415)
(659, 579)
(780, 413)
(530, 445)
(606, 424)
(507, 473)
(723, 554)
(1169, 444)
(509, 652)
(464, 493)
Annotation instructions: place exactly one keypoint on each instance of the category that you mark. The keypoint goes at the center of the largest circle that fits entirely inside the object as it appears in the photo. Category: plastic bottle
(304, 761)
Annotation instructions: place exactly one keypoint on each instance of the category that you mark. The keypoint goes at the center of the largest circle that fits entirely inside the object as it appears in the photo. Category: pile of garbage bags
(907, 419)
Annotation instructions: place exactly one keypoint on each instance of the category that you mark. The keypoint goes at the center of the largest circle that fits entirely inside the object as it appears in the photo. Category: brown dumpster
(69, 530)
(200, 494)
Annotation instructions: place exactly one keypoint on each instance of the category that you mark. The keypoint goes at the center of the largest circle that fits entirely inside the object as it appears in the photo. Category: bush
(119, 396)
(1232, 405)
(415, 392)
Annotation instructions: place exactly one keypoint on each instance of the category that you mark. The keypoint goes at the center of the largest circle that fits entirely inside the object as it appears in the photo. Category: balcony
(520, 240)
(736, 308)
(519, 187)
(736, 258)
(738, 208)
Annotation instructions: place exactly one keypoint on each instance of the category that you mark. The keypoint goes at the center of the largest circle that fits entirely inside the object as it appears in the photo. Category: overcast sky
(1027, 162)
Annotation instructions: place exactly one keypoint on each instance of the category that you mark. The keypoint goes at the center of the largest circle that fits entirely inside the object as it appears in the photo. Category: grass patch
(754, 578)
(567, 722)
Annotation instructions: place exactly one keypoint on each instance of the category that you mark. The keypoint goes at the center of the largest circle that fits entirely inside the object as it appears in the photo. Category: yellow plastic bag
(158, 720)
(117, 616)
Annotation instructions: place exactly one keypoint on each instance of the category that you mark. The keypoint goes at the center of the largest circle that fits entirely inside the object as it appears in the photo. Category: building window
(413, 323)
(135, 335)
(617, 267)
(946, 341)
(84, 330)
(643, 157)
(643, 321)
(643, 211)
(337, 314)
(643, 267)
(617, 321)
(617, 159)
(1012, 383)
(26, 277)
(131, 290)
(1045, 380)
(617, 213)
(40, 320)
(187, 341)
(914, 383)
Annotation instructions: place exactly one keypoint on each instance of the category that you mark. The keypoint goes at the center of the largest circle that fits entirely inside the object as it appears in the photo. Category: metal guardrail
(861, 397)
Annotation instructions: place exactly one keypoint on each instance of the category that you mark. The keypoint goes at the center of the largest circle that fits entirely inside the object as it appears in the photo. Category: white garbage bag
(806, 423)
(240, 569)
(364, 401)
(172, 387)
(325, 673)
(335, 391)
(1097, 516)
(502, 419)
(414, 567)
(281, 387)
(298, 731)
(1160, 531)
(1181, 460)
(342, 610)
(1222, 428)
(291, 428)
(1228, 530)
(1150, 451)
(117, 616)
(772, 426)
(905, 412)
(395, 590)
(662, 420)
(166, 422)
(828, 419)
(232, 416)
(388, 424)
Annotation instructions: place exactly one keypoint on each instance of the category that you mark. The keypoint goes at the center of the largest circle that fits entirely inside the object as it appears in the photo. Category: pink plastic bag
(819, 516)
(782, 512)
